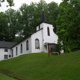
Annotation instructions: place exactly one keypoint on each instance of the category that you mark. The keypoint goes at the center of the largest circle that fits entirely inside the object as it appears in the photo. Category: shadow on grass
(10, 74)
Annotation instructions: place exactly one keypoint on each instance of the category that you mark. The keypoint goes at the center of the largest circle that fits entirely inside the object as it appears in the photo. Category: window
(37, 46)
(21, 48)
(6, 50)
(48, 31)
(16, 50)
(27, 45)
(5, 56)
(9, 55)
(12, 52)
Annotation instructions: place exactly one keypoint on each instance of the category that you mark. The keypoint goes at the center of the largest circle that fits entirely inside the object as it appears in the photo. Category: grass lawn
(41, 67)
(4, 77)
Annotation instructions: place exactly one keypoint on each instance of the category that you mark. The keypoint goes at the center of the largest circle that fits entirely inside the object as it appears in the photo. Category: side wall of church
(24, 49)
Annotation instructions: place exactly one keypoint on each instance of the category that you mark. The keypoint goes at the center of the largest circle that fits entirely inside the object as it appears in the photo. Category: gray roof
(4, 44)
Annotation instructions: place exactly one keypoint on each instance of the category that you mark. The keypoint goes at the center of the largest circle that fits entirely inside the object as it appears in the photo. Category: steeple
(43, 17)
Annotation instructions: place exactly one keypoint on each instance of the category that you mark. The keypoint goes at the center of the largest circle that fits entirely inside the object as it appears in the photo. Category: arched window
(27, 45)
(12, 52)
(21, 48)
(48, 31)
(16, 50)
(37, 44)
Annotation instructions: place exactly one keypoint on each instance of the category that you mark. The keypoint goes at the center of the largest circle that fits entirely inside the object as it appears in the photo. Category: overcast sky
(18, 3)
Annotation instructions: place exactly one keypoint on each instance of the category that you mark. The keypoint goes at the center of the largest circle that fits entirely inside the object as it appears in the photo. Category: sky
(18, 3)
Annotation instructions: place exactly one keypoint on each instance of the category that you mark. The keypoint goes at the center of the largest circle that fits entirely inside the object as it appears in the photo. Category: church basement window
(5, 56)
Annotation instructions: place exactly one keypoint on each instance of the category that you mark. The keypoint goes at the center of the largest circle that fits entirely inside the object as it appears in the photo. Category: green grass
(41, 67)
(4, 77)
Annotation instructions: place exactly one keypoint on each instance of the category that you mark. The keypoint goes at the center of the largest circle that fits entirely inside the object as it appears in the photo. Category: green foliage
(3, 26)
(12, 21)
(41, 67)
(10, 2)
(53, 11)
(68, 27)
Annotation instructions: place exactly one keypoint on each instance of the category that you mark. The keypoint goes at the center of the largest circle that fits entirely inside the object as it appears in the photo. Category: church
(36, 43)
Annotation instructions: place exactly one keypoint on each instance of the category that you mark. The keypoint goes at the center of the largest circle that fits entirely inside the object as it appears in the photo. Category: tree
(3, 27)
(68, 27)
(53, 11)
(10, 2)
(12, 23)
(25, 20)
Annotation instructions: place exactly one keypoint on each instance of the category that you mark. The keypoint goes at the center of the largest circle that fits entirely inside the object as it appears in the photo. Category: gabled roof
(6, 44)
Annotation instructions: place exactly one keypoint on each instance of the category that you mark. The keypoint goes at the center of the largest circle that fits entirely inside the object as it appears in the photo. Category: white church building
(36, 43)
